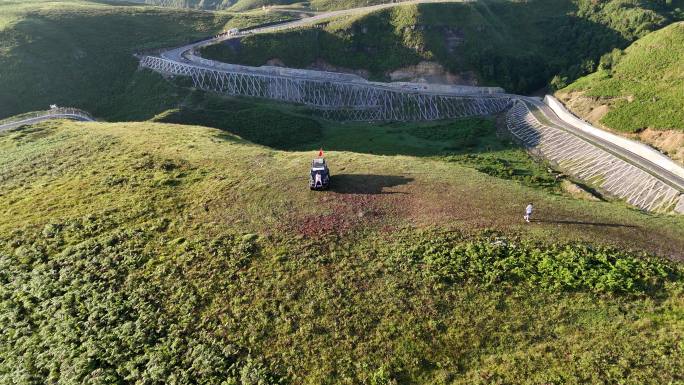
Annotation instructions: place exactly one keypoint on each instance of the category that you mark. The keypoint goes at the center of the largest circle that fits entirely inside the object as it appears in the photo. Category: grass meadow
(157, 252)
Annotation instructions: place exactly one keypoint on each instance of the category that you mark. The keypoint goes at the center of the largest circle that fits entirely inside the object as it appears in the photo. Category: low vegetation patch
(511, 164)
(498, 260)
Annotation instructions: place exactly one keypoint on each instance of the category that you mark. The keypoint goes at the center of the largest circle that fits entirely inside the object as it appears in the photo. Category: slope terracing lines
(335, 96)
(614, 166)
(593, 164)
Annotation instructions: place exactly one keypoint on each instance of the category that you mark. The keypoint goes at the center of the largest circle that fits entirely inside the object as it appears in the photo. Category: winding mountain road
(55, 113)
(660, 179)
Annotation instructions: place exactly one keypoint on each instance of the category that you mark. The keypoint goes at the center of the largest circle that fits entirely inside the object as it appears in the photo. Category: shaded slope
(81, 54)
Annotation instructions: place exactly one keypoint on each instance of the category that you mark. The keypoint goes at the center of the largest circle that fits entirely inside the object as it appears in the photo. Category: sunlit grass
(645, 87)
(160, 252)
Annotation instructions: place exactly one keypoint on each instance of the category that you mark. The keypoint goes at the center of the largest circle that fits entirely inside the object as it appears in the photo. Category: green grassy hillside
(474, 143)
(159, 253)
(642, 85)
(168, 252)
(518, 45)
(81, 54)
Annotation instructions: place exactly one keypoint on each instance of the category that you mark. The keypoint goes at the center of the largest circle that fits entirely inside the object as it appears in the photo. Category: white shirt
(528, 210)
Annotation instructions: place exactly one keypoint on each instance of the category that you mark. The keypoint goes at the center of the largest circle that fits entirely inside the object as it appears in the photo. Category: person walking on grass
(528, 212)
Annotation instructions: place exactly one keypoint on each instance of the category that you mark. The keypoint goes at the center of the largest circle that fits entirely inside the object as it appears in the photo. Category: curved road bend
(666, 176)
(78, 116)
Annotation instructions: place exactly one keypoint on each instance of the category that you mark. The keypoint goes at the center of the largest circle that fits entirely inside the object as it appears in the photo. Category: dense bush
(104, 310)
(85, 302)
(261, 125)
(558, 267)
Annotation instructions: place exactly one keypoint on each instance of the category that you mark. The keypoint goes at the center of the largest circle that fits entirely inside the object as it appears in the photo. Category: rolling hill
(520, 46)
(157, 252)
(638, 91)
(81, 54)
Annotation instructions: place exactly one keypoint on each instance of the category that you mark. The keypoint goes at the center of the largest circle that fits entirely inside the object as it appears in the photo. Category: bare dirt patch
(589, 108)
(670, 141)
(432, 72)
(355, 201)
(343, 213)
(275, 62)
(598, 113)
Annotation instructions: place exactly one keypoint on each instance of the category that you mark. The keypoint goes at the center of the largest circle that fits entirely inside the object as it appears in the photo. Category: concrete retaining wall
(637, 148)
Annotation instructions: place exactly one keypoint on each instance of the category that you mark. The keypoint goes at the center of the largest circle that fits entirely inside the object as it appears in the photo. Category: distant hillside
(215, 4)
(81, 54)
(639, 90)
(518, 45)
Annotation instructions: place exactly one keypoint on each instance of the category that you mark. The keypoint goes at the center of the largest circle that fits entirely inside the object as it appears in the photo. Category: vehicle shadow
(366, 183)
(568, 222)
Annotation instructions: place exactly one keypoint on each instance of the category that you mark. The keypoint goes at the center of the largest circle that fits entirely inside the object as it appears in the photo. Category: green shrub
(492, 262)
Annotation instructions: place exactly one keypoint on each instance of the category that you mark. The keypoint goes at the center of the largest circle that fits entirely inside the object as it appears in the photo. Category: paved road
(666, 176)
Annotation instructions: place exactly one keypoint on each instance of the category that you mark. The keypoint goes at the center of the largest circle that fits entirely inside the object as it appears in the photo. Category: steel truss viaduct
(338, 100)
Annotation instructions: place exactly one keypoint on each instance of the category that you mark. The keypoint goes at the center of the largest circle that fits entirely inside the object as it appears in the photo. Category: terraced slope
(592, 164)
